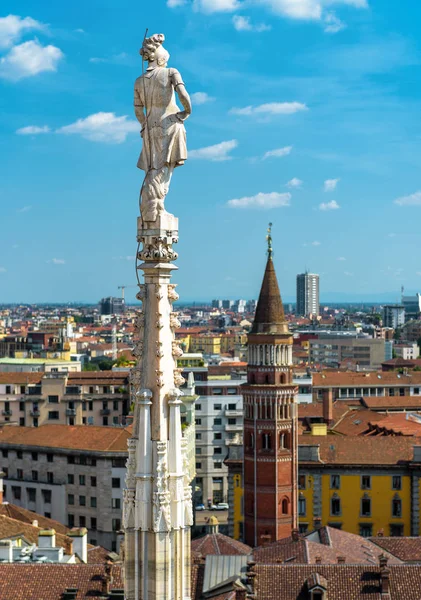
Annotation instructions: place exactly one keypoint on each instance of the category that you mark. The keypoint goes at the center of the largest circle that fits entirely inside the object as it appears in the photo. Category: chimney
(6, 551)
(47, 538)
(384, 575)
(328, 406)
(213, 525)
(35, 523)
(341, 560)
(80, 542)
(1, 486)
(107, 579)
(380, 533)
(318, 559)
(295, 535)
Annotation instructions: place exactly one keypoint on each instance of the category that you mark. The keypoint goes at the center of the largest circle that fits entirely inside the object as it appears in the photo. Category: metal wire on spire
(269, 241)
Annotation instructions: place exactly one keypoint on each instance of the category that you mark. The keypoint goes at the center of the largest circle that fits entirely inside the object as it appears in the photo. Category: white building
(308, 295)
(393, 316)
(407, 351)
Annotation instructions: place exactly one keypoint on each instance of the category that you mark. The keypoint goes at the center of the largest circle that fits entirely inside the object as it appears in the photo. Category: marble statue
(164, 136)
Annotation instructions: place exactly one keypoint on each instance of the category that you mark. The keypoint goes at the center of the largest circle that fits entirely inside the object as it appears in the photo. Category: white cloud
(271, 108)
(176, 3)
(33, 130)
(102, 127)
(332, 23)
(115, 59)
(278, 152)
(294, 183)
(28, 59)
(201, 98)
(13, 27)
(341, 258)
(310, 10)
(418, 273)
(330, 185)
(214, 6)
(348, 274)
(24, 209)
(261, 200)
(216, 153)
(316, 243)
(56, 261)
(245, 24)
(411, 200)
(3, 270)
(332, 205)
(391, 235)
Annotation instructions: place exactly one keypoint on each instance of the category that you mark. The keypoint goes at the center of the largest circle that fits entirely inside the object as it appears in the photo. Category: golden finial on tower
(269, 241)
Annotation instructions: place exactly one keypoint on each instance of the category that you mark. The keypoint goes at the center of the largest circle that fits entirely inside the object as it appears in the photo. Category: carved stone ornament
(141, 294)
(174, 322)
(188, 506)
(159, 378)
(176, 350)
(159, 351)
(140, 320)
(138, 349)
(172, 294)
(178, 379)
(158, 291)
(128, 508)
(135, 377)
(161, 511)
(159, 321)
(159, 248)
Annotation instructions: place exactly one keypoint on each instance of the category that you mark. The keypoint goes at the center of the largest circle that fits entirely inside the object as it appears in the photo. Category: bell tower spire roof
(270, 316)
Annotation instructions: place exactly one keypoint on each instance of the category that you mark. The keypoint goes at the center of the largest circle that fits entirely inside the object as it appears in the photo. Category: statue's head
(153, 50)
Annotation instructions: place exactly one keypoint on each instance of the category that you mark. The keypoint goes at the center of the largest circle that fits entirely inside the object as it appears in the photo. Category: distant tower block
(270, 421)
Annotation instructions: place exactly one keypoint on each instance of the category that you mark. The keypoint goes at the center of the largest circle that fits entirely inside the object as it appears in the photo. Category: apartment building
(74, 475)
(344, 385)
(38, 365)
(393, 315)
(219, 419)
(81, 398)
(308, 295)
(365, 352)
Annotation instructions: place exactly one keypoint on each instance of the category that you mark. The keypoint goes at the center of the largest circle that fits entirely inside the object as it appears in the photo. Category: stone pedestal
(157, 510)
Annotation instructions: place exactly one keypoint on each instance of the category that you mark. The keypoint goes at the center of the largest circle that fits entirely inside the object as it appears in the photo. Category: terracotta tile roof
(11, 528)
(361, 450)
(398, 423)
(392, 402)
(344, 582)
(269, 317)
(27, 516)
(356, 422)
(74, 437)
(217, 543)
(97, 555)
(49, 581)
(197, 576)
(364, 379)
(20, 378)
(282, 551)
(407, 549)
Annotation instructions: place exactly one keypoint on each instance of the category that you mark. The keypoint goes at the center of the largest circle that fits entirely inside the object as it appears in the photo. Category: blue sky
(306, 114)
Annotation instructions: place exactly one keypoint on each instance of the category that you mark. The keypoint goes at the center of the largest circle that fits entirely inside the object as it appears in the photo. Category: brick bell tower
(270, 420)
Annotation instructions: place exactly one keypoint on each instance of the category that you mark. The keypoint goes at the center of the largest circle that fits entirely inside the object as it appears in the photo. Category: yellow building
(207, 344)
(364, 485)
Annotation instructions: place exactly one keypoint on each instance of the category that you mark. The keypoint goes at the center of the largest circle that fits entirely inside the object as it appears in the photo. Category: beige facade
(368, 353)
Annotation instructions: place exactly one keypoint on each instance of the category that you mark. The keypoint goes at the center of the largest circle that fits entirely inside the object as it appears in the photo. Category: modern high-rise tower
(270, 421)
(307, 295)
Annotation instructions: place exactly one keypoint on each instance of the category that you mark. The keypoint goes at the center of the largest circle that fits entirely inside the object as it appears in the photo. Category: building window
(301, 482)
(335, 506)
(285, 506)
(396, 482)
(53, 415)
(217, 391)
(82, 500)
(71, 520)
(17, 492)
(19, 473)
(282, 440)
(251, 439)
(198, 421)
(198, 406)
(105, 421)
(115, 503)
(302, 506)
(52, 399)
(115, 482)
(5, 471)
(34, 475)
(217, 465)
(266, 441)
(116, 524)
(115, 404)
(217, 407)
(70, 499)
(46, 496)
(93, 481)
(217, 421)
(303, 527)
(396, 530)
(198, 436)
(391, 391)
(90, 405)
(82, 480)
(32, 494)
(335, 482)
(82, 521)
(366, 482)
(217, 436)
(5, 453)
(232, 407)
(366, 507)
(50, 458)
(366, 530)
(198, 465)
(198, 450)
(34, 455)
(19, 454)
(232, 421)
(50, 477)
(70, 478)
(396, 507)
(217, 450)
(93, 523)
(93, 501)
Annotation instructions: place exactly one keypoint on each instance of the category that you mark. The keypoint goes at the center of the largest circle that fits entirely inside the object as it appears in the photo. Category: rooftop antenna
(269, 241)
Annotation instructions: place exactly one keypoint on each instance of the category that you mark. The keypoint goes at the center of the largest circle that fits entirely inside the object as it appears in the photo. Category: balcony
(235, 428)
(6, 413)
(70, 412)
(233, 413)
(35, 413)
(35, 390)
(105, 412)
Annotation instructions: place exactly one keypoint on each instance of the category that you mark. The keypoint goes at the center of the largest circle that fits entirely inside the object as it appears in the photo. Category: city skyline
(325, 151)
